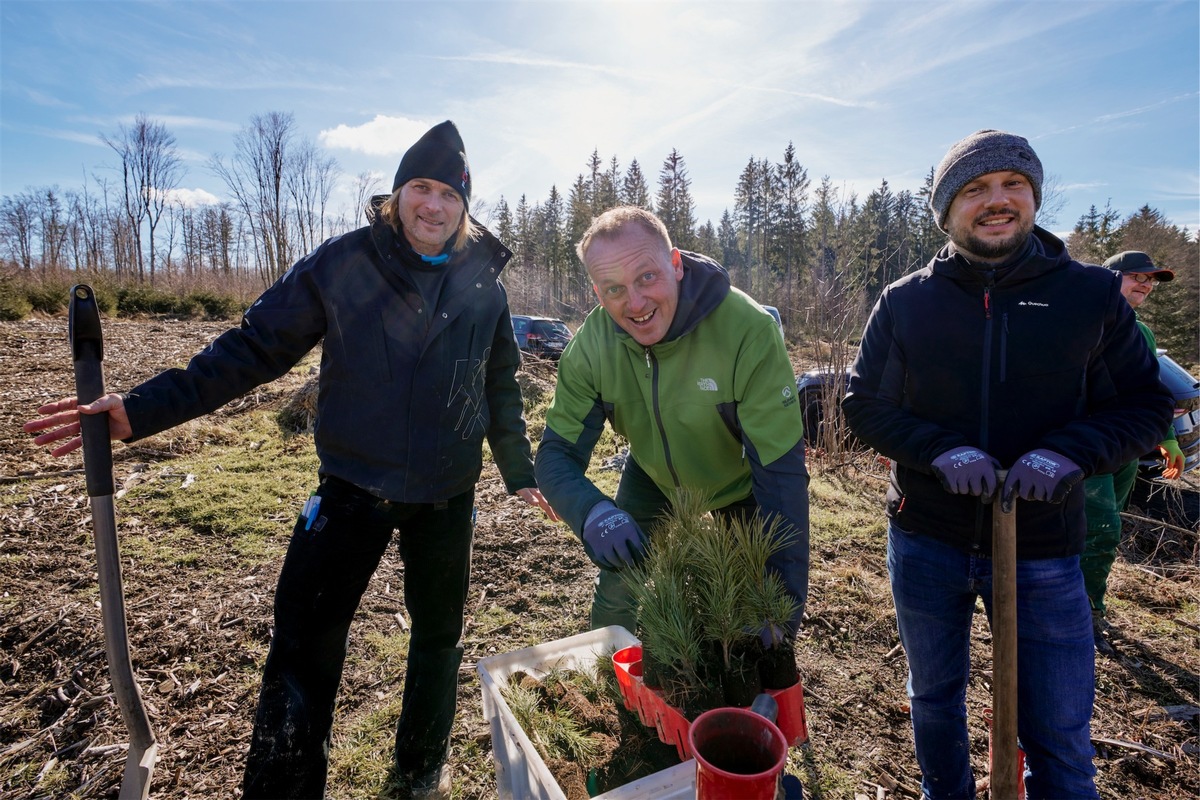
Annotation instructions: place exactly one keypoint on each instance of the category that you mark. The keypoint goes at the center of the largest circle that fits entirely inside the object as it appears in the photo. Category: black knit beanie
(980, 153)
(440, 155)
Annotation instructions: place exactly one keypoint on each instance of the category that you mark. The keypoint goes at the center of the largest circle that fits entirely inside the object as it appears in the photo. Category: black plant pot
(777, 666)
(706, 697)
(652, 670)
(741, 683)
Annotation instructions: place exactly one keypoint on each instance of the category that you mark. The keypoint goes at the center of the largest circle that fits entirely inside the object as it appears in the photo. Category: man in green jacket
(694, 374)
(1107, 495)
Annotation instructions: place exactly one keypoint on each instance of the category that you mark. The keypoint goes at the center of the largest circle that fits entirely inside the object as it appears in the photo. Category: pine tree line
(817, 252)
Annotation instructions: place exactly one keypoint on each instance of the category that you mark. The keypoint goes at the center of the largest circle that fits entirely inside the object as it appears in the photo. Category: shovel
(1005, 766)
(87, 351)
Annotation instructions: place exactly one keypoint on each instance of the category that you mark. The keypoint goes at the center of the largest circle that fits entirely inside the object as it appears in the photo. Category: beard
(993, 249)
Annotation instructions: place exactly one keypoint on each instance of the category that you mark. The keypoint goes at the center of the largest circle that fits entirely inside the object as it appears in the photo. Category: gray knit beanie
(980, 153)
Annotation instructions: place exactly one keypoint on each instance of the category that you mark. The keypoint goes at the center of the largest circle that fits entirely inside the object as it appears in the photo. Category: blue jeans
(324, 575)
(934, 587)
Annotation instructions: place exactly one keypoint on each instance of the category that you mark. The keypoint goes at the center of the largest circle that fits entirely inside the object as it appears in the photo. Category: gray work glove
(1040, 475)
(967, 470)
(611, 538)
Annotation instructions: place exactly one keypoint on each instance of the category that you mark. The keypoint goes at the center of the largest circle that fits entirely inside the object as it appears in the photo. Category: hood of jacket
(1042, 253)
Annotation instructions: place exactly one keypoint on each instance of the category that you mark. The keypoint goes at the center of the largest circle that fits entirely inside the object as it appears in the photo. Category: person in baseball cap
(1107, 495)
(1138, 270)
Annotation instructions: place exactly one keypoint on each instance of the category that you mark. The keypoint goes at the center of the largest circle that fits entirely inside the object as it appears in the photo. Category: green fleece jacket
(699, 409)
(1152, 343)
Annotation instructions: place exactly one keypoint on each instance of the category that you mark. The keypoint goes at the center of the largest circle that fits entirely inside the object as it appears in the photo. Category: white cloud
(381, 136)
(193, 198)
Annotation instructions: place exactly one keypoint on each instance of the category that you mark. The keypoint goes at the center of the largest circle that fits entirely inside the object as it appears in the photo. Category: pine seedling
(723, 581)
(767, 597)
(554, 732)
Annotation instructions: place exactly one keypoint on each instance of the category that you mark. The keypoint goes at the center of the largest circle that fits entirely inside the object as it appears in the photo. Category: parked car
(1186, 389)
(817, 388)
(774, 312)
(543, 337)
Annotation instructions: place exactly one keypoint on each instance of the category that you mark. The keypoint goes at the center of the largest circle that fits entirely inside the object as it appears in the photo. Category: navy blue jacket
(1042, 354)
(406, 394)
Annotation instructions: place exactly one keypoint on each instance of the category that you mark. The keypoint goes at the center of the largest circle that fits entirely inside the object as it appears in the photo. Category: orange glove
(1174, 458)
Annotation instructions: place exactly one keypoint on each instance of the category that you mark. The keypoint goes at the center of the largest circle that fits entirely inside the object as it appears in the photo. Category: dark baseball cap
(1136, 261)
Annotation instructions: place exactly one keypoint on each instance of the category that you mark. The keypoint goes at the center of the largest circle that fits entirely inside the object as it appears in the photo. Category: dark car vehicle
(774, 312)
(541, 336)
(818, 389)
(1186, 389)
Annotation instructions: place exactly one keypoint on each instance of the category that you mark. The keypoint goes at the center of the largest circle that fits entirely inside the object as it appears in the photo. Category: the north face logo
(706, 385)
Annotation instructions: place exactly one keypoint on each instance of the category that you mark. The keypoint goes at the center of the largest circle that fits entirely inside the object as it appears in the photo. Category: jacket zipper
(1004, 347)
(662, 431)
(984, 393)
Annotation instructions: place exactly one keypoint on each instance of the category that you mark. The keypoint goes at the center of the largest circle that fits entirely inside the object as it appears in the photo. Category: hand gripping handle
(87, 352)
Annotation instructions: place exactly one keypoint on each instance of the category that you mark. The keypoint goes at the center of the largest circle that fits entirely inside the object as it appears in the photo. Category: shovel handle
(87, 352)
(1004, 777)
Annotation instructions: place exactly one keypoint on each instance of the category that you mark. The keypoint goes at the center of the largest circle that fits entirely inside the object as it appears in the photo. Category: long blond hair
(468, 229)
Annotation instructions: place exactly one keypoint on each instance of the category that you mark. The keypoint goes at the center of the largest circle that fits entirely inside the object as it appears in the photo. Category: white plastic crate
(521, 774)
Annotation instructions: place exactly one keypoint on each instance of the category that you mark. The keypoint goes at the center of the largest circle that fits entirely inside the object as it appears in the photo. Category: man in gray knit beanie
(980, 153)
(975, 377)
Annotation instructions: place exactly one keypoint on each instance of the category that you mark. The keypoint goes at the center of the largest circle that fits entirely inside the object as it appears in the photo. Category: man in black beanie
(418, 367)
(1002, 353)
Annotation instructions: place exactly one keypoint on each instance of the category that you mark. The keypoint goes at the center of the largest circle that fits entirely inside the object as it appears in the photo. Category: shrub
(213, 305)
(142, 299)
(13, 303)
(49, 295)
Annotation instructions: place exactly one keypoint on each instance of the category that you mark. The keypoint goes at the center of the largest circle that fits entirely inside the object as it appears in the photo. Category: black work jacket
(407, 393)
(1042, 354)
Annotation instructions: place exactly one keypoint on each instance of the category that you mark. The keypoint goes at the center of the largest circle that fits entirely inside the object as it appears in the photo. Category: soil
(198, 633)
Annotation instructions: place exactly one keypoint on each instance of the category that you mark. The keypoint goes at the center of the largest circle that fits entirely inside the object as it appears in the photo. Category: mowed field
(204, 515)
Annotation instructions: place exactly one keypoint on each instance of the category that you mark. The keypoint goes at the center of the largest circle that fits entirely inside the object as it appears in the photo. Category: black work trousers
(327, 568)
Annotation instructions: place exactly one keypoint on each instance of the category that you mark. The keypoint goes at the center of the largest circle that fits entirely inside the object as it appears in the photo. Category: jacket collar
(1043, 253)
(705, 284)
(485, 253)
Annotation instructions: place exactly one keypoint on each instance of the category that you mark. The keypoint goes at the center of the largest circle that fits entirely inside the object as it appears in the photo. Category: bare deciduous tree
(255, 178)
(151, 169)
(18, 225)
(309, 180)
(366, 184)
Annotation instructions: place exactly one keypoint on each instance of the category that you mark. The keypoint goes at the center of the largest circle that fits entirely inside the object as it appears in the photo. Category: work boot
(433, 785)
(1100, 633)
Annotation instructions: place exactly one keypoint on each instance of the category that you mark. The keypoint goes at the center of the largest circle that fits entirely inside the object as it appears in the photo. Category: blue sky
(1107, 92)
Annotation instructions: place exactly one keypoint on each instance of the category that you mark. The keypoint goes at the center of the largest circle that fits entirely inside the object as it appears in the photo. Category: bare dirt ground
(199, 633)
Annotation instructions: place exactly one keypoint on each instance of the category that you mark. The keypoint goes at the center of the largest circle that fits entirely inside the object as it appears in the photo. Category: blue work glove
(967, 470)
(1040, 475)
(772, 634)
(611, 538)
